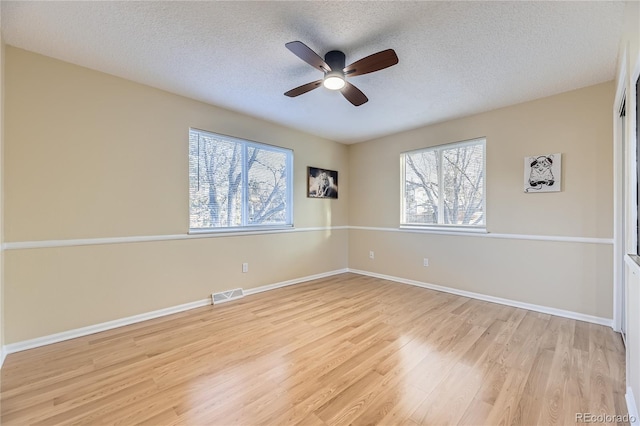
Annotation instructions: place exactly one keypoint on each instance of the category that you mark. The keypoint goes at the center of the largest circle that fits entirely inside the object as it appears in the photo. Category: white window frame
(245, 226)
(441, 226)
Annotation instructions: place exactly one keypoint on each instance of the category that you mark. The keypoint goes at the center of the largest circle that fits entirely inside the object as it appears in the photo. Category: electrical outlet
(371, 255)
(245, 267)
(425, 261)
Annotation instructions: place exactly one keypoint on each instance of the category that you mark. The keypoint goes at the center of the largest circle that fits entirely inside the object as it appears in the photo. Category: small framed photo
(322, 183)
(542, 173)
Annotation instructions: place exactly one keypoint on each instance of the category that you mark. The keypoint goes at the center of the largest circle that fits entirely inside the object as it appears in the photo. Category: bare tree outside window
(445, 185)
(235, 183)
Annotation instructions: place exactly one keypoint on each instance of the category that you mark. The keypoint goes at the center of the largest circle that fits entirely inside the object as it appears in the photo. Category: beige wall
(89, 155)
(59, 289)
(576, 124)
(565, 275)
(568, 276)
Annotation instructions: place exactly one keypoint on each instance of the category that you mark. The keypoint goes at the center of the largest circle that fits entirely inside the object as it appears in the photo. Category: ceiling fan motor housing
(336, 61)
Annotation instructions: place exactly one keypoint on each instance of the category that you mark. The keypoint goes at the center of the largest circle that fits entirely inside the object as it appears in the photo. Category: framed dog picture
(542, 173)
(322, 183)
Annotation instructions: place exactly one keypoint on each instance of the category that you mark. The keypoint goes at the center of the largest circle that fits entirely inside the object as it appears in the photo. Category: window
(235, 183)
(444, 185)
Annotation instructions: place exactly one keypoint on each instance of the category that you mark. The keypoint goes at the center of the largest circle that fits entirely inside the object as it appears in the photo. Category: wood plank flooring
(344, 350)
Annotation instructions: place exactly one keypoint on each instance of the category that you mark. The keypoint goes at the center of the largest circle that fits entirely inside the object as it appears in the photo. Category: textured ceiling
(456, 58)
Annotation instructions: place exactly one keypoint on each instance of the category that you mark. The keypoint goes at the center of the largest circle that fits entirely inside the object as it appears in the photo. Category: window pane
(421, 187)
(267, 186)
(215, 181)
(463, 186)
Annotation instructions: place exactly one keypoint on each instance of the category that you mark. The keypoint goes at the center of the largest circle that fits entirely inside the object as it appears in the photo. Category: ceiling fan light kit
(333, 80)
(335, 71)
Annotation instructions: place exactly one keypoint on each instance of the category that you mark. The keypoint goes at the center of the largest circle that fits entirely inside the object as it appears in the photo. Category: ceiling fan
(335, 71)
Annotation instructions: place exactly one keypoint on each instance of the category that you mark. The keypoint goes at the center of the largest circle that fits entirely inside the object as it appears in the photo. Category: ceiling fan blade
(303, 89)
(303, 52)
(376, 62)
(353, 94)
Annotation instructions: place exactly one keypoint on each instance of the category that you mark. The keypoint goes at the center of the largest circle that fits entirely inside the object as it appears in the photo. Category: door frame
(620, 177)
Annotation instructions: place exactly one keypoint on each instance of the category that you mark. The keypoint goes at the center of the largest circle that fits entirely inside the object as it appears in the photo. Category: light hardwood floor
(348, 349)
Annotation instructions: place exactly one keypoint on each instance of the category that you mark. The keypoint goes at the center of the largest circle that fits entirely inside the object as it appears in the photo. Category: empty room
(319, 213)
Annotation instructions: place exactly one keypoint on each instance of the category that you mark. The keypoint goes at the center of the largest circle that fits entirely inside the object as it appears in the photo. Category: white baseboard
(294, 281)
(85, 331)
(531, 307)
(96, 328)
(631, 407)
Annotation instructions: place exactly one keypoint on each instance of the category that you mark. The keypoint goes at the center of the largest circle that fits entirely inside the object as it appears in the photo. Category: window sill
(447, 229)
(244, 230)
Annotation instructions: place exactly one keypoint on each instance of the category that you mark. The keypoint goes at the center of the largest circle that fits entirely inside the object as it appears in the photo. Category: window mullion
(245, 192)
(198, 165)
(440, 187)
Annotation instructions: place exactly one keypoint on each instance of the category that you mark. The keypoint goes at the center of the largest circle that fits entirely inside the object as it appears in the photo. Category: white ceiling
(456, 58)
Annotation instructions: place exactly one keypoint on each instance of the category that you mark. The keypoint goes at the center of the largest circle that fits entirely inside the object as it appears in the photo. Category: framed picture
(542, 173)
(322, 183)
